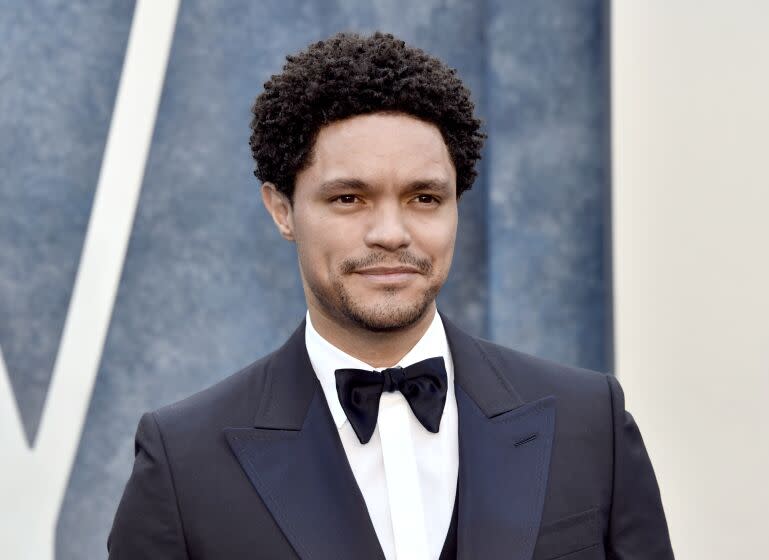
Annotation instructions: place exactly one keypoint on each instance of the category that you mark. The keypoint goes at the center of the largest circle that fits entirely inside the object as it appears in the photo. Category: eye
(426, 199)
(346, 199)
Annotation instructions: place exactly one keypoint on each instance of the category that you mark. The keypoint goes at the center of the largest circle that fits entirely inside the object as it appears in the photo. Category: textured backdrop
(208, 285)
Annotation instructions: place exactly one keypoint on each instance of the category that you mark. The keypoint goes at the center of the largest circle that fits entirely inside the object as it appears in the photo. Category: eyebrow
(438, 186)
(332, 186)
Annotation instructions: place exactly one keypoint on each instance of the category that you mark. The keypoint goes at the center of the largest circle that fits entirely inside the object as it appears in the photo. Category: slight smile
(385, 275)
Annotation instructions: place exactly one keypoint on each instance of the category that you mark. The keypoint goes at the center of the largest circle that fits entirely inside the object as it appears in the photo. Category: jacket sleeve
(637, 526)
(147, 523)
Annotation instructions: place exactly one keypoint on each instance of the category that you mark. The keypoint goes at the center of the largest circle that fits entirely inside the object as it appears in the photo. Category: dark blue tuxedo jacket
(551, 466)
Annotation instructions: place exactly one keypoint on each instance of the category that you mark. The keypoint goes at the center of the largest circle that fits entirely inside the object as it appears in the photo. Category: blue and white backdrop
(137, 265)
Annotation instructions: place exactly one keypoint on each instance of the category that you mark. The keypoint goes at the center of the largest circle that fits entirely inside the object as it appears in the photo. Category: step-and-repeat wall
(138, 266)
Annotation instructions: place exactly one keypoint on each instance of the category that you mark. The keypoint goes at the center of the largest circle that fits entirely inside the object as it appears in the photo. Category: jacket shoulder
(228, 402)
(534, 377)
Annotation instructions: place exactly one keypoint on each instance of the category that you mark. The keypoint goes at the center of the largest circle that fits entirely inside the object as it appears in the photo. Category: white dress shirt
(407, 475)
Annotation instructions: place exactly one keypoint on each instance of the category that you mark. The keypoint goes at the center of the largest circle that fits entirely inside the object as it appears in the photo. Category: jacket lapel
(504, 456)
(294, 458)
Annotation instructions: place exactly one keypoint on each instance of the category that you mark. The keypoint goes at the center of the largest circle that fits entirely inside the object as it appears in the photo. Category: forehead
(380, 147)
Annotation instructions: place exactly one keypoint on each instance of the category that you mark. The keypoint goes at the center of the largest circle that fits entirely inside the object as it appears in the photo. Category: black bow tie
(423, 384)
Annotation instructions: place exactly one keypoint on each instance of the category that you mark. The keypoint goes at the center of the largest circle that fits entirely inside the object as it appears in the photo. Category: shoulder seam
(173, 483)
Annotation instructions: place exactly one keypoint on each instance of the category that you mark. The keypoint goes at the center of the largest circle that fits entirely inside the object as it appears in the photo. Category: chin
(378, 323)
(380, 309)
(388, 314)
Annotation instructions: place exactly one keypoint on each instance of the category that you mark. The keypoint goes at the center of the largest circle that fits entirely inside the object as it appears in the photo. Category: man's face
(375, 220)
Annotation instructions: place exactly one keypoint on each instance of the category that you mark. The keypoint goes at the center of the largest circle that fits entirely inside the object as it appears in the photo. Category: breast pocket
(576, 537)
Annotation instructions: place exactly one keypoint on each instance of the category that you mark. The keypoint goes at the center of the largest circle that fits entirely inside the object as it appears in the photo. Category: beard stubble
(384, 316)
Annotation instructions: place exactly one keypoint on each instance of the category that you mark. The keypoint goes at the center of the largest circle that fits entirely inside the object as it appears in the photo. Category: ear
(279, 207)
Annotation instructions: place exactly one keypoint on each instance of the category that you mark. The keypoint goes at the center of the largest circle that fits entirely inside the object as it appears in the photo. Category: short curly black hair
(347, 75)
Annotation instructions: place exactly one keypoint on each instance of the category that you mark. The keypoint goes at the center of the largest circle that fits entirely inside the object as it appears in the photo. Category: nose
(388, 228)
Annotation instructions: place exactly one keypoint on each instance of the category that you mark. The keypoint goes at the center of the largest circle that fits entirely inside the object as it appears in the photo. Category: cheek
(309, 247)
(438, 242)
(323, 245)
(445, 233)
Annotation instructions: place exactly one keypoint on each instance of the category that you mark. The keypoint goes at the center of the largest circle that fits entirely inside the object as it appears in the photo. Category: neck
(378, 349)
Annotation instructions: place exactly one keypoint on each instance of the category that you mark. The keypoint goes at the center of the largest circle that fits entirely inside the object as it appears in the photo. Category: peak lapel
(504, 456)
(295, 461)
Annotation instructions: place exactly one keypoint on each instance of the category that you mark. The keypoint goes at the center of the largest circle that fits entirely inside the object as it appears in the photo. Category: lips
(389, 276)
(381, 270)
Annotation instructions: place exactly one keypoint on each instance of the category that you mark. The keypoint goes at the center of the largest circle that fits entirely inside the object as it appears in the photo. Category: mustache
(348, 266)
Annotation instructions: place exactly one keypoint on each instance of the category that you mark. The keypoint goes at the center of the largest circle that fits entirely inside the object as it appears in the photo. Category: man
(380, 429)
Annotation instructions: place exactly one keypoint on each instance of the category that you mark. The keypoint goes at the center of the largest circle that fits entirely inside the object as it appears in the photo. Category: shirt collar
(326, 358)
